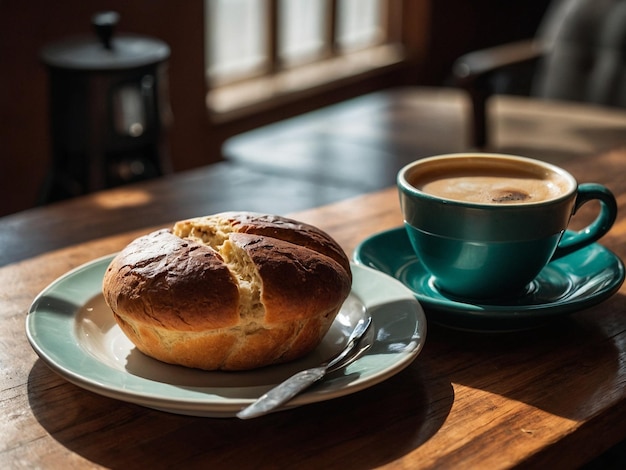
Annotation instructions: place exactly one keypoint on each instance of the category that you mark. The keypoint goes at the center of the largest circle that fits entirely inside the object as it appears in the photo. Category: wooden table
(548, 398)
(363, 142)
(218, 187)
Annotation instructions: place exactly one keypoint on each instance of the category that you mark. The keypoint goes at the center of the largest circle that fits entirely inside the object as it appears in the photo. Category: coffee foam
(484, 184)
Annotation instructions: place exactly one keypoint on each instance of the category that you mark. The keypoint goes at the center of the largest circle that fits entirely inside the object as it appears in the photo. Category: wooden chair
(578, 54)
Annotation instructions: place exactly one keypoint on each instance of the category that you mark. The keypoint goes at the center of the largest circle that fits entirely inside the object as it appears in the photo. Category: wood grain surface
(553, 397)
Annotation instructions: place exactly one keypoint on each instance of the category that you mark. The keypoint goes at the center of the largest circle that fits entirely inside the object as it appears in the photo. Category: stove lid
(105, 51)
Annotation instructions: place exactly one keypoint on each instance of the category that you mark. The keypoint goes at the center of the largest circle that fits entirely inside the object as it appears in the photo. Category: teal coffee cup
(485, 225)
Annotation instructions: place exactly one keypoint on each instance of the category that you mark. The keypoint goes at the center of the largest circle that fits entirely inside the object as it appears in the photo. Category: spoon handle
(298, 382)
(282, 393)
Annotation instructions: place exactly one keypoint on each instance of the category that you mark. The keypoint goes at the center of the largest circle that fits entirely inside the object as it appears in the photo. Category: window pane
(301, 30)
(359, 23)
(236, 36)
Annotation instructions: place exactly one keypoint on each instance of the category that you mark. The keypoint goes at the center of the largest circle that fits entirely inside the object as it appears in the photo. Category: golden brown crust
(298, 283)
(273, 226)
(230, 291)
(165, 281)
(290, 230)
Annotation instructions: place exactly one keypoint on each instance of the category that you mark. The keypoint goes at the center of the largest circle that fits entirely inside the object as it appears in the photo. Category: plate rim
(205, 406)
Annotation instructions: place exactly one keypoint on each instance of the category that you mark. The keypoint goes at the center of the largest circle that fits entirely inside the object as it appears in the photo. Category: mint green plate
(572, 283)
(72, 329)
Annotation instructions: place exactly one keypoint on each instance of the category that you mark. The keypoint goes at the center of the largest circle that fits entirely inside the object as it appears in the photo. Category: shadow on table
(341, 433)
(569, 368)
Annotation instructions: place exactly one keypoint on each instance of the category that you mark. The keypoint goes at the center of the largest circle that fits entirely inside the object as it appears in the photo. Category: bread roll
(231, 291)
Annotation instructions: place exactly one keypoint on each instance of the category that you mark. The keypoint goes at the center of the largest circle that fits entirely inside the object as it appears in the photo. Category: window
(263, 50)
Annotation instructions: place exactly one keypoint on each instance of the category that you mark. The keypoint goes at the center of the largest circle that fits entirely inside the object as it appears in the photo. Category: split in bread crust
(230, 291)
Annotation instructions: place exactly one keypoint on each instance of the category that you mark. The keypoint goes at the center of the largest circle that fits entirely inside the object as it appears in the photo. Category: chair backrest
(586, 59)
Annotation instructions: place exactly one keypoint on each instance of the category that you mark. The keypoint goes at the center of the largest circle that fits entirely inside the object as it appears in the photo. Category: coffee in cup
(485, 225)
(493, 185)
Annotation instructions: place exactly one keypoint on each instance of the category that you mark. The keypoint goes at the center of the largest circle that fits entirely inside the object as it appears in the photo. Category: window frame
(335, 74)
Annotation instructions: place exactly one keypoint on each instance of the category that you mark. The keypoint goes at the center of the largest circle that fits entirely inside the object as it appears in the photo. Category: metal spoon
(295, 384)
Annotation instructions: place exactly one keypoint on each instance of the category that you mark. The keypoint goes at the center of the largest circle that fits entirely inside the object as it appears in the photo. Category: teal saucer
(571, 283)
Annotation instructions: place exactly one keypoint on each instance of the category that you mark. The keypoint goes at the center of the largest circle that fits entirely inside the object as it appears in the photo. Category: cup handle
(599, 227)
